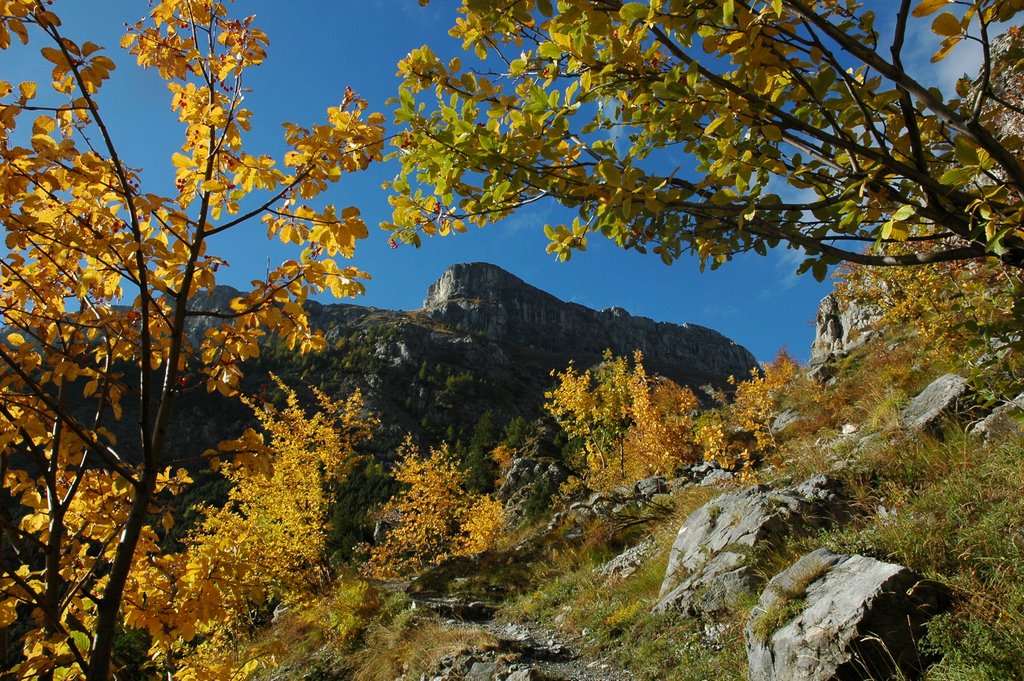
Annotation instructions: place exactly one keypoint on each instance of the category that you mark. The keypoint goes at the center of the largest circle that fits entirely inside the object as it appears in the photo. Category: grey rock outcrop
(834, 616)
(486, 300)
(529, 479)
(627, 562)
(647, 488)
(786, 419)
(1005, 420)
(526, 472)
(483, 670)
(945, 397)
(705, 473)
(829, 330)
(839, 328)
(709, 566)
(521, 652)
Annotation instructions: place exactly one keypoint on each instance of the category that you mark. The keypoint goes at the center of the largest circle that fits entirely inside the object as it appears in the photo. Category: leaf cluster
(715, 129)
(629, 425)
(434, 518)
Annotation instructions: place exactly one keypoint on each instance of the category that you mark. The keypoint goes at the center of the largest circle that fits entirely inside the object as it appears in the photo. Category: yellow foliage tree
(434, 518)
(947, 304)
(733, 433)
(266, 542)
(629, 425)
(594, 408)
(284, 506)
(661, 435)
(100, 281)
(756, 399)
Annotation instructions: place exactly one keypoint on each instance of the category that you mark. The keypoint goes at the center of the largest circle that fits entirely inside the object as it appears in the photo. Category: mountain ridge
(488, 300)
(484, 341)
(482, 304)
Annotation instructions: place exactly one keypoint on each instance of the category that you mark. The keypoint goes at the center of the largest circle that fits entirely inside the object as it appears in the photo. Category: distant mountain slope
(488, 301)
(484, 341)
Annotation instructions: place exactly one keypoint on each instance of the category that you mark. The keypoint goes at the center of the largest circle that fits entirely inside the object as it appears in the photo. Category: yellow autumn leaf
(182, 161)
(947, 25)
(18, 28)
(54, 56)
(8, 611)
(927, 7)
(44, 144)
(43, 125)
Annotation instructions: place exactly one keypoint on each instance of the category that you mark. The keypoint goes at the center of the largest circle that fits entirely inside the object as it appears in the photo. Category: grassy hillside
(946, 504)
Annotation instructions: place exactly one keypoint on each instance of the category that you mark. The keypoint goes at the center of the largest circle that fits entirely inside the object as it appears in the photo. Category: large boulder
(946, 397)
(710, 563)
(845, 617)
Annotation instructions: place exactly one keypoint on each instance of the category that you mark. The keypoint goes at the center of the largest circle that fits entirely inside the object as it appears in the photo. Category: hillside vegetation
(941, 500)
(665, 510)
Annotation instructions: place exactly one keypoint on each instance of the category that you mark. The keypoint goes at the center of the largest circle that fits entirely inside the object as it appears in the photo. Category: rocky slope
(484, 341)
(836, 565)
(488, 301)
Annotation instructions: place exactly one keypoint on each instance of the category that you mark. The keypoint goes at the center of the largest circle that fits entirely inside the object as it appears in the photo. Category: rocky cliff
(486, 300)
(840, 327)
(484, 341)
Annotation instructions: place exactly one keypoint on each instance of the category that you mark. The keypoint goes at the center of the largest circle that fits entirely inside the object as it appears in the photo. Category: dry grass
(414, 648)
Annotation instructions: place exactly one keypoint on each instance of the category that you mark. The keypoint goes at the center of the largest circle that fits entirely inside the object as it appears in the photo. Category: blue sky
(319, 48)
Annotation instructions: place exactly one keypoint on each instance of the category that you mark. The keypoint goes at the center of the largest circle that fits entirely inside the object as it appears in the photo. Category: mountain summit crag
(484, 341)
(486, 300)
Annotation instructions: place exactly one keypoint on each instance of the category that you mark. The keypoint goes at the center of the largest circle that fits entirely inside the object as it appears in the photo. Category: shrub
(434, 518)
(625, 424)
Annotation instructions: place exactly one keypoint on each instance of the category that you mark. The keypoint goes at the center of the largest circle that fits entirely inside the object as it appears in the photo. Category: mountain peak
(477, 281)
(485, 300)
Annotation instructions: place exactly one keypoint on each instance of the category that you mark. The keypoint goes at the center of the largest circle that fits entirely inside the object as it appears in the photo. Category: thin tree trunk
(110, 604)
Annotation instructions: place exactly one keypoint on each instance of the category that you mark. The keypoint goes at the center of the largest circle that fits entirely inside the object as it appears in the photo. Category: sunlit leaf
(927, 7)
(633, 11)
(947, 24)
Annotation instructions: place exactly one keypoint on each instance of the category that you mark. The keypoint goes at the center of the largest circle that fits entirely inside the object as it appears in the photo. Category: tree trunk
(110, 604)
